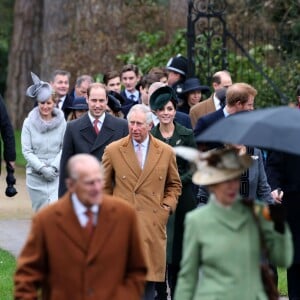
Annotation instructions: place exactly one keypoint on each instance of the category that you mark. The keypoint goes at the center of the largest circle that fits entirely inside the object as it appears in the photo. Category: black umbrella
(271, 128)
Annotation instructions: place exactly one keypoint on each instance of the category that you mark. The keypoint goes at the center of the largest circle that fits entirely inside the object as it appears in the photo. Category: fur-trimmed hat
(40, 90)
(115, 101)
(220, 165)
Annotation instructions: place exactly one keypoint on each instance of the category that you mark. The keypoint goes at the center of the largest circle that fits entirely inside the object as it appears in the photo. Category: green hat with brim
(161, 97)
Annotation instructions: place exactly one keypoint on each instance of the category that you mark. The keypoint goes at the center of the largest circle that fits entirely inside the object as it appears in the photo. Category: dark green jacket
(182, 136)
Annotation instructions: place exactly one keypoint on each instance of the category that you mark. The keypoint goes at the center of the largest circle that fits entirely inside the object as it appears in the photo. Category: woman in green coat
(221, 250)
(163, 103)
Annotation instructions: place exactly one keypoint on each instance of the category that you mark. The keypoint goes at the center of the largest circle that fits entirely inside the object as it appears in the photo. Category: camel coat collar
(152, 159)
(69, 224)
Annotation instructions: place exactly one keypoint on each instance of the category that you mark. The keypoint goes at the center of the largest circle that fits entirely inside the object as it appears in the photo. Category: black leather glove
(278, 215)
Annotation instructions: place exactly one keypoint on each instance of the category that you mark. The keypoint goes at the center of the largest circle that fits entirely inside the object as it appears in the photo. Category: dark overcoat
(80, 137)
(283, 172)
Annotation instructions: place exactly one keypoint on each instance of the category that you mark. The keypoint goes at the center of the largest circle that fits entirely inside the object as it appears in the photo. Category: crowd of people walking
(121, 216)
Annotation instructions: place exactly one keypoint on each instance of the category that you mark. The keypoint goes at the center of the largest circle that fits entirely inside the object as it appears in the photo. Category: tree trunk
(83, 37)
(25, 54)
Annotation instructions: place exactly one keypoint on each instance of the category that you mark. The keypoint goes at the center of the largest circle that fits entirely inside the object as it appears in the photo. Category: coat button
(123, 177)
(155, 211)
(160, 178)
(90, 291)
(90, 263)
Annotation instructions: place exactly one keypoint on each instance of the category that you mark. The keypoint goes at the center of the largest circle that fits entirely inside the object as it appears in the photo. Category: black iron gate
(210, 42)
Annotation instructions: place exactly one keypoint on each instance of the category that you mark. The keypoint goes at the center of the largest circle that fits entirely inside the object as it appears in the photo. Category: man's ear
(150, 126)
(70, 184)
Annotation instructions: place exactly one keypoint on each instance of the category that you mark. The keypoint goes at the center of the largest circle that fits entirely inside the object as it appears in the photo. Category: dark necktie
(58, 102)
(132, 97)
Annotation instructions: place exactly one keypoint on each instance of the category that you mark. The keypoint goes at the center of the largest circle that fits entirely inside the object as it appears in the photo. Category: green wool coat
(221, 253)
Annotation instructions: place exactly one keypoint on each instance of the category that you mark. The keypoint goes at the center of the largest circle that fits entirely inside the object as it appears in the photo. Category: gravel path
(15, 214)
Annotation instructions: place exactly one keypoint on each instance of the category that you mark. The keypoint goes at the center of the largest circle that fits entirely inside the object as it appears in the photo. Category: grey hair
(83, 78)
(80, 159)
(141, 108)
(60, 72)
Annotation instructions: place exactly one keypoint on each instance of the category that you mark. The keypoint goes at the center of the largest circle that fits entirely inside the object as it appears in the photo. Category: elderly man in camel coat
(151, 184)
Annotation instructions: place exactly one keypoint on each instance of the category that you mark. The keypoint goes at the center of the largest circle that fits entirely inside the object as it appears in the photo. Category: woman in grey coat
(42, 138)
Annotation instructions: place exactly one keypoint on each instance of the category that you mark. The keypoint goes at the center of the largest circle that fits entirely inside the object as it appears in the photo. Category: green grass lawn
(282, 284)
(8, 264)
(7, 268)
(20, 161)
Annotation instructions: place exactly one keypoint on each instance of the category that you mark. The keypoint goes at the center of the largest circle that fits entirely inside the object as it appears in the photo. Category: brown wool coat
(158, 183)
(57, 257)
(201, 109)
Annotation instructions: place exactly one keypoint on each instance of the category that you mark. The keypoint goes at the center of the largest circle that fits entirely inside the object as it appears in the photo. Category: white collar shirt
(101, 120)
(144, 149)
(80, 211)
(217, 102)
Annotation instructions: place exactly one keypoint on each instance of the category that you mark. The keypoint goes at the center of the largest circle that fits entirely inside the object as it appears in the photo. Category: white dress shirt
(217, 102)
(135, 94)
(101, 120)
(80, 211)
(61, 102)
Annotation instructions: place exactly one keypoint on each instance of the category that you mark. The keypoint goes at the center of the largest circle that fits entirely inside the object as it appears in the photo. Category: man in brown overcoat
(85, 246)
(150, 182)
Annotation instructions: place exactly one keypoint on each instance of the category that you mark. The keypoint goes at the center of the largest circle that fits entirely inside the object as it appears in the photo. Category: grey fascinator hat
(40, 90)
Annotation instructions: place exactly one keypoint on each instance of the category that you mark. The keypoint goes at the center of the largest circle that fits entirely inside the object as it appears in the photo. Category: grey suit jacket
(80, 137)
(259, 187)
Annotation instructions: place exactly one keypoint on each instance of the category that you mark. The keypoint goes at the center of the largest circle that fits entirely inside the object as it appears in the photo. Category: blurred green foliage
(284, 73)
(155, 52)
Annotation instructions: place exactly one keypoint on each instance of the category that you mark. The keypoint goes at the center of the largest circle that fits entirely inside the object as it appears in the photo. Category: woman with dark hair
(191, 94)
(78, 108)
(163, 102)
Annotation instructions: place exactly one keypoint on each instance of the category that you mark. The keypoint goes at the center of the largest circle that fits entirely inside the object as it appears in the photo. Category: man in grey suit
(92, 132)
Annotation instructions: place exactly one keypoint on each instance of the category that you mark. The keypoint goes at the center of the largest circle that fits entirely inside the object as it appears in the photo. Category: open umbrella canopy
(270, 128)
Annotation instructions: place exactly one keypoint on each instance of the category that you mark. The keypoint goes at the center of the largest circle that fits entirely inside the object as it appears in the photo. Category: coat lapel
(152, 159)
(103, 231)
(129, 156)
(68, 223)
(86, 129)
(105, 134)
(211, 105)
